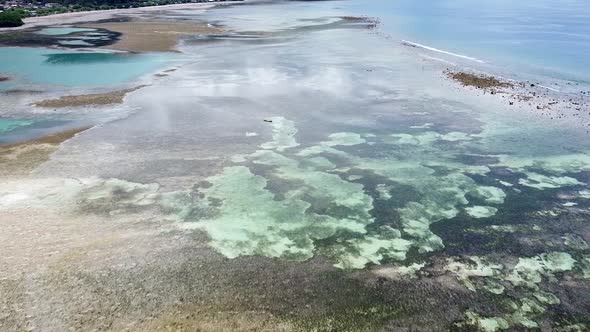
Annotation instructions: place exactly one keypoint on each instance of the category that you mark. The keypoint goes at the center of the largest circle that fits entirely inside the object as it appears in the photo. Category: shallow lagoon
(70, 68)
(325, 167)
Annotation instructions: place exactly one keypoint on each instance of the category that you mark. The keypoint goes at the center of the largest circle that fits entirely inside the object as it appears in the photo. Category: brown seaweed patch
(21, 91)
(372, 22)
(479, 81)
(114, 97)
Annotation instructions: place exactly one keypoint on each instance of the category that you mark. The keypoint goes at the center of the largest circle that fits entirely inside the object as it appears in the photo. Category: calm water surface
(75, 69)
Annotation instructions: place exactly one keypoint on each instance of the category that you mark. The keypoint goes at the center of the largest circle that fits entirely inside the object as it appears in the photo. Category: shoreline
(97, 15)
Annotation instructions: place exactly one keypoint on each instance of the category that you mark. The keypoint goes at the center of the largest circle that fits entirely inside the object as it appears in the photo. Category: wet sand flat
(22, 158)
(152, 36)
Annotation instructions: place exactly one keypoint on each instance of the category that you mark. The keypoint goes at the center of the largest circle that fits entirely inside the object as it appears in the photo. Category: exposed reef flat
(22, 158)
(114, 97)
(152, 36)
(480, 81)
(546, 101)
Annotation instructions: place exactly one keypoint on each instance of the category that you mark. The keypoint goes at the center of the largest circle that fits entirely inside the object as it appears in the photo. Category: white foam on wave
(441, 51)
(548, 88)
(437, 59)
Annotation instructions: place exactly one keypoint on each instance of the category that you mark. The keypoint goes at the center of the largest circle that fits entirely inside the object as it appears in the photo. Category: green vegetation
(11, 18)
(49, 7)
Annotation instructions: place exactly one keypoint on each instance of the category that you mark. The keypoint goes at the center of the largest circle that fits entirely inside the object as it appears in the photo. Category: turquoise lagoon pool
(42, 66)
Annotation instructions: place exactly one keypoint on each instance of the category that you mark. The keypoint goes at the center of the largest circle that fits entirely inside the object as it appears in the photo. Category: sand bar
(114, 97)
(152, 36)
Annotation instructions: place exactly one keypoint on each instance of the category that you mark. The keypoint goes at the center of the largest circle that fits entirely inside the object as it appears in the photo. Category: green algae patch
(416, 163)
(399, 271)
(553, 164)
(529, 272)
(344, 139)
(525, 277)
(481, 211)
(357, 253)
(575, 241)
(283, 134)
(251, 222)
(489, 324)
(584, 267)
(424, 139)
(541, 182)
(322, 202)
(384, 191)
(324, 164)
(475, 267)
(293, 202)
(455, 137)
(490, 195)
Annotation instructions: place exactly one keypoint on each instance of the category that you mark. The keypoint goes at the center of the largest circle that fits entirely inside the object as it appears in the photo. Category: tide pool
(7, 125)
(19, 129)
(67, 68)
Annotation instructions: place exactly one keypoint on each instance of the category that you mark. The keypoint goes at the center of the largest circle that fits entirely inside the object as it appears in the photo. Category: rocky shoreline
(527, 94)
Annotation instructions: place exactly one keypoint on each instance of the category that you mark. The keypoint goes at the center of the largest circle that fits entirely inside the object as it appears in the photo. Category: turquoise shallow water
(68, 68)
(20, 129)
(7, 125)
